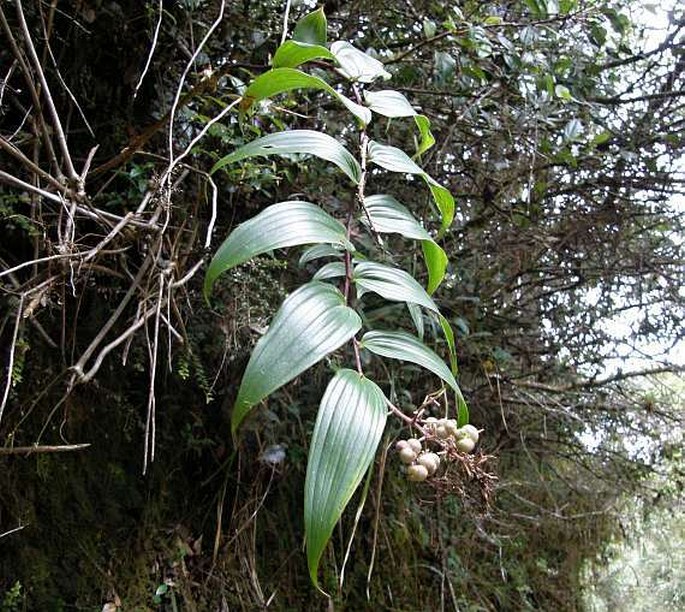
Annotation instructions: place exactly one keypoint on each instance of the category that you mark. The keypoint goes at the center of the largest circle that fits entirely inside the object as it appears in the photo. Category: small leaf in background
(427, 139)
(404, 346)
(429, 28)
(598, 35)
(492, 20)
(311, 323)
(562, 92)
(297, 141)
(573, 129)
(357, 65)
(280, 225)
(445, 67)
(348, 429)
(281, 80)
(601, 138)
(538, 8)
(312, 28)
(391, 283)
(292, 54)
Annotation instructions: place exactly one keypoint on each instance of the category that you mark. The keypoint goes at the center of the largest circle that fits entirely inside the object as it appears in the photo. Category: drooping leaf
(312, 28)
(391, 283)
(393, 159)
(319, 251)
(357, 65)
(334, 269)
(389, 216)
(389, 103)
(463, 416)
(292, 54)
(348, 429)
(312, 322)
(297, 141)
(280, 80)
(404, 346)
(443, 200)
(436, 262)
(449, 337)
(396, 160)
(280, 225)
(417, 318)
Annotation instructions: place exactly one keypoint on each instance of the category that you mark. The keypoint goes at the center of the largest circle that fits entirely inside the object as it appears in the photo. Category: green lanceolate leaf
(292, 54)
(311, 323)
(443, 200)
(348, 429)
(436, 262)
(312, 28)
(391, 283)
(462, 407)
(396, 160)
(281, 80)
(357, 65)
(389, 216)
(280, 225)
(449, 337)
(463, 416)
(427, 138)
(403, 346)
(297, 141)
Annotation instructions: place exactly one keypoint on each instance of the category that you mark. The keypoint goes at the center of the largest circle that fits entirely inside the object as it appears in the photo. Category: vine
(319, 317)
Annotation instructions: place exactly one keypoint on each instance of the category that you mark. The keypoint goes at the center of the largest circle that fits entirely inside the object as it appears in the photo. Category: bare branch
(152, 49)
(184, 75)
(57, 124)
(43, 449)
(11, 531)
(12, 351)
(598, 382)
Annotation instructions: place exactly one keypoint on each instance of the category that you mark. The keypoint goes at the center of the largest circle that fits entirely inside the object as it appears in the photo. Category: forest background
(559, 130)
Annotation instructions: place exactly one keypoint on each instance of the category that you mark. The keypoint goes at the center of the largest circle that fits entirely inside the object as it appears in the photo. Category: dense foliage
(558, 129)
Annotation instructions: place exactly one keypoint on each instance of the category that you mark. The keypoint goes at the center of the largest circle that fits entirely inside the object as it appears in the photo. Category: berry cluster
(465, 438)
(422, 462)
